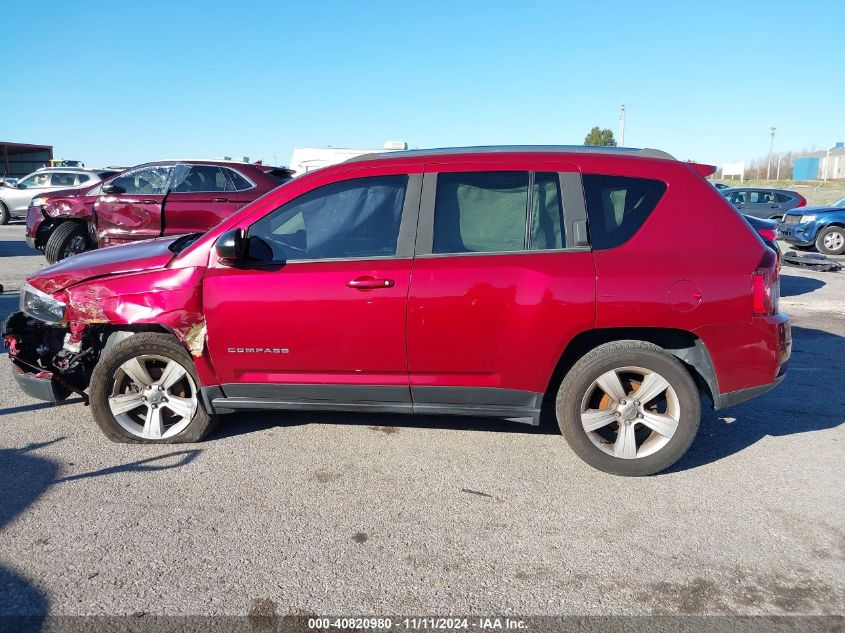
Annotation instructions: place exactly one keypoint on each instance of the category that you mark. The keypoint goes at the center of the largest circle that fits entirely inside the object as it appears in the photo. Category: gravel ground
(355, 514)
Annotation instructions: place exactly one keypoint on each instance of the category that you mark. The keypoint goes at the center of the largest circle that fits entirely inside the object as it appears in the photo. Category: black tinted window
(83, 178)
(59, 179)
(618, 206)
(239, 182)
(782, 197)
(353, 218)
(477, 212)
(546, 213)
(199, 179)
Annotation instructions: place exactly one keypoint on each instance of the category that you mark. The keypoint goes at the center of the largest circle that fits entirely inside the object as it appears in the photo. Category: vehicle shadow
(241, 423)
(791, 285)
(16, 248)
(41, 405)
(26, 476)
(795, 406)
(790, 408)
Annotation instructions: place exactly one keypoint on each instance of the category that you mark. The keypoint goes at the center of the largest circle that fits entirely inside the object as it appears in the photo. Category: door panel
(318, 309)
(493, 321)
(201, 196)
(134, 214)
(302, 323)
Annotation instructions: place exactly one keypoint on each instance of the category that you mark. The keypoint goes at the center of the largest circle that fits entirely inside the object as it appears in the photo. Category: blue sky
(126, 82)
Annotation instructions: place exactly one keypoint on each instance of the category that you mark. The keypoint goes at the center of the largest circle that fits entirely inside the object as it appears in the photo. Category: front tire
(831, 240)
(5, 216)
(145, 390)
(629, 408)
(69, 238)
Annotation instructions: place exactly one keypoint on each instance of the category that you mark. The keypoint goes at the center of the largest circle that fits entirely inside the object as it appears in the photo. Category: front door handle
(369, 283)
(148, 201)
(220, 199)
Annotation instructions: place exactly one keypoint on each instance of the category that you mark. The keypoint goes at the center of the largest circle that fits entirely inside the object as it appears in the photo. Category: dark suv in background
(768, 204)
(150, 200)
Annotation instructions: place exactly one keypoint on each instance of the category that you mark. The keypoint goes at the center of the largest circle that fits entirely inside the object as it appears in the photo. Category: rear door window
(238, 181)
(62, 179)
(480, 212)
(617, 206)
(201, 179)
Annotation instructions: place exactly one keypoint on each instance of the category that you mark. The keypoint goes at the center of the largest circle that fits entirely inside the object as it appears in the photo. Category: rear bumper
(748, 359)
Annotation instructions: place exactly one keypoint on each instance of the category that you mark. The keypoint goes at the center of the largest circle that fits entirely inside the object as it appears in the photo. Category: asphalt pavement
(330, 513)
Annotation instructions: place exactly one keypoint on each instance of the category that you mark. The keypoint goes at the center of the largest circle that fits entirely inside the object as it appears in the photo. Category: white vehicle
(305, 159)
(14, 198)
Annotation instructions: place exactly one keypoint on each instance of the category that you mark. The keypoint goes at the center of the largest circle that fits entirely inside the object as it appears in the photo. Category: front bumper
(802, 233)
(41, 386)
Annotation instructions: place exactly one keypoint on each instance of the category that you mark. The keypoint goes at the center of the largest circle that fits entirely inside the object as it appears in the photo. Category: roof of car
(515, 149)
(74, 170)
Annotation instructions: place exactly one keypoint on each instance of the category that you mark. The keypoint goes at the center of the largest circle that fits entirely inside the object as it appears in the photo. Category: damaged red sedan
(504, 281)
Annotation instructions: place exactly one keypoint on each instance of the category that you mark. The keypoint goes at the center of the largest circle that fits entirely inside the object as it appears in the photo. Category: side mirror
(111, 189)
(20, 185)
(230, 247)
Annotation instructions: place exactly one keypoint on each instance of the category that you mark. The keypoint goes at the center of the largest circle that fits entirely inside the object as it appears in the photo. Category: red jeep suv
(161, 198)
(476, 281)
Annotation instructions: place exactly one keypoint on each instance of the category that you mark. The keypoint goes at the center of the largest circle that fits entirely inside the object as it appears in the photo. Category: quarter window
(238, 182)
(480, 212)
(618, 206)
(348, 219)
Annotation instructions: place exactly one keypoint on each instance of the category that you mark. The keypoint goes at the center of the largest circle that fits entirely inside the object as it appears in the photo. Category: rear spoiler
(280, 173)
(703, 170)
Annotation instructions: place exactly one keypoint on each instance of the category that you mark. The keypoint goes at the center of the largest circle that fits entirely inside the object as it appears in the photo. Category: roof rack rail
(496, 149)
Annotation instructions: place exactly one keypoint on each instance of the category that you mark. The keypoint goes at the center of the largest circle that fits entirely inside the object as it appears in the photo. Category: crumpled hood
(115, 260)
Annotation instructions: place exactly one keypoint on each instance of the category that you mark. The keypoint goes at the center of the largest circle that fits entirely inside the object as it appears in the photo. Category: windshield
(839, 204)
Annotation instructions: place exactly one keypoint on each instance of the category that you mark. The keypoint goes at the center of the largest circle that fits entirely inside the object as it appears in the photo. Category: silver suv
(14, 199)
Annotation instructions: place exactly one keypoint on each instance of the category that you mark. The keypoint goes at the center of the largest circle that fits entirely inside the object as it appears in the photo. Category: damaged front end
(50, 361)
(57, 338)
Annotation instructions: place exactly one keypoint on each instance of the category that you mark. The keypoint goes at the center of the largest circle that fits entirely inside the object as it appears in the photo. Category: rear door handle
(370, 283)
(220, 199)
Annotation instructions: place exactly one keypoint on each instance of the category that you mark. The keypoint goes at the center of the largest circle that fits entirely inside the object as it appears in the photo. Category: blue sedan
(822, 227)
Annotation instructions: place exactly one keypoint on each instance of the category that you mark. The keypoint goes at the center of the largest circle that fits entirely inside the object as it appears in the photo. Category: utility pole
(622, 125)
(771, 146)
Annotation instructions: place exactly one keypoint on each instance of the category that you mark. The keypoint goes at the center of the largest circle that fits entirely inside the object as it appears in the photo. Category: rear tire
(649, 421)
(69, 238)
(5, 216)
(130, 373)
(831, 240)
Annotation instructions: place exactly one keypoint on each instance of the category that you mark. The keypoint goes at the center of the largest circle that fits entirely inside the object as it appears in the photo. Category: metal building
(20, 159)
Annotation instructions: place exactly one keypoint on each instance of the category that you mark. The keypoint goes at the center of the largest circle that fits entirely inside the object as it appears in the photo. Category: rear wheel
(831, 240)
(5, 216)
(69, 238)
(629, 408)
(145, 390)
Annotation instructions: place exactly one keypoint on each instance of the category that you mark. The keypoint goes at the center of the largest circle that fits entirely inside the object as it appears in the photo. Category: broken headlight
(41, 306)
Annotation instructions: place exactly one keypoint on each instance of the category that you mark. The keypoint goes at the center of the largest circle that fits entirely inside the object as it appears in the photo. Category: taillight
(802, 201)
(765, 286)
(768, 234)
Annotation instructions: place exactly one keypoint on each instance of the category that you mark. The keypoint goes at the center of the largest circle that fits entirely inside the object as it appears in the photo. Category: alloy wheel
(630, 412)
(153, 397)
